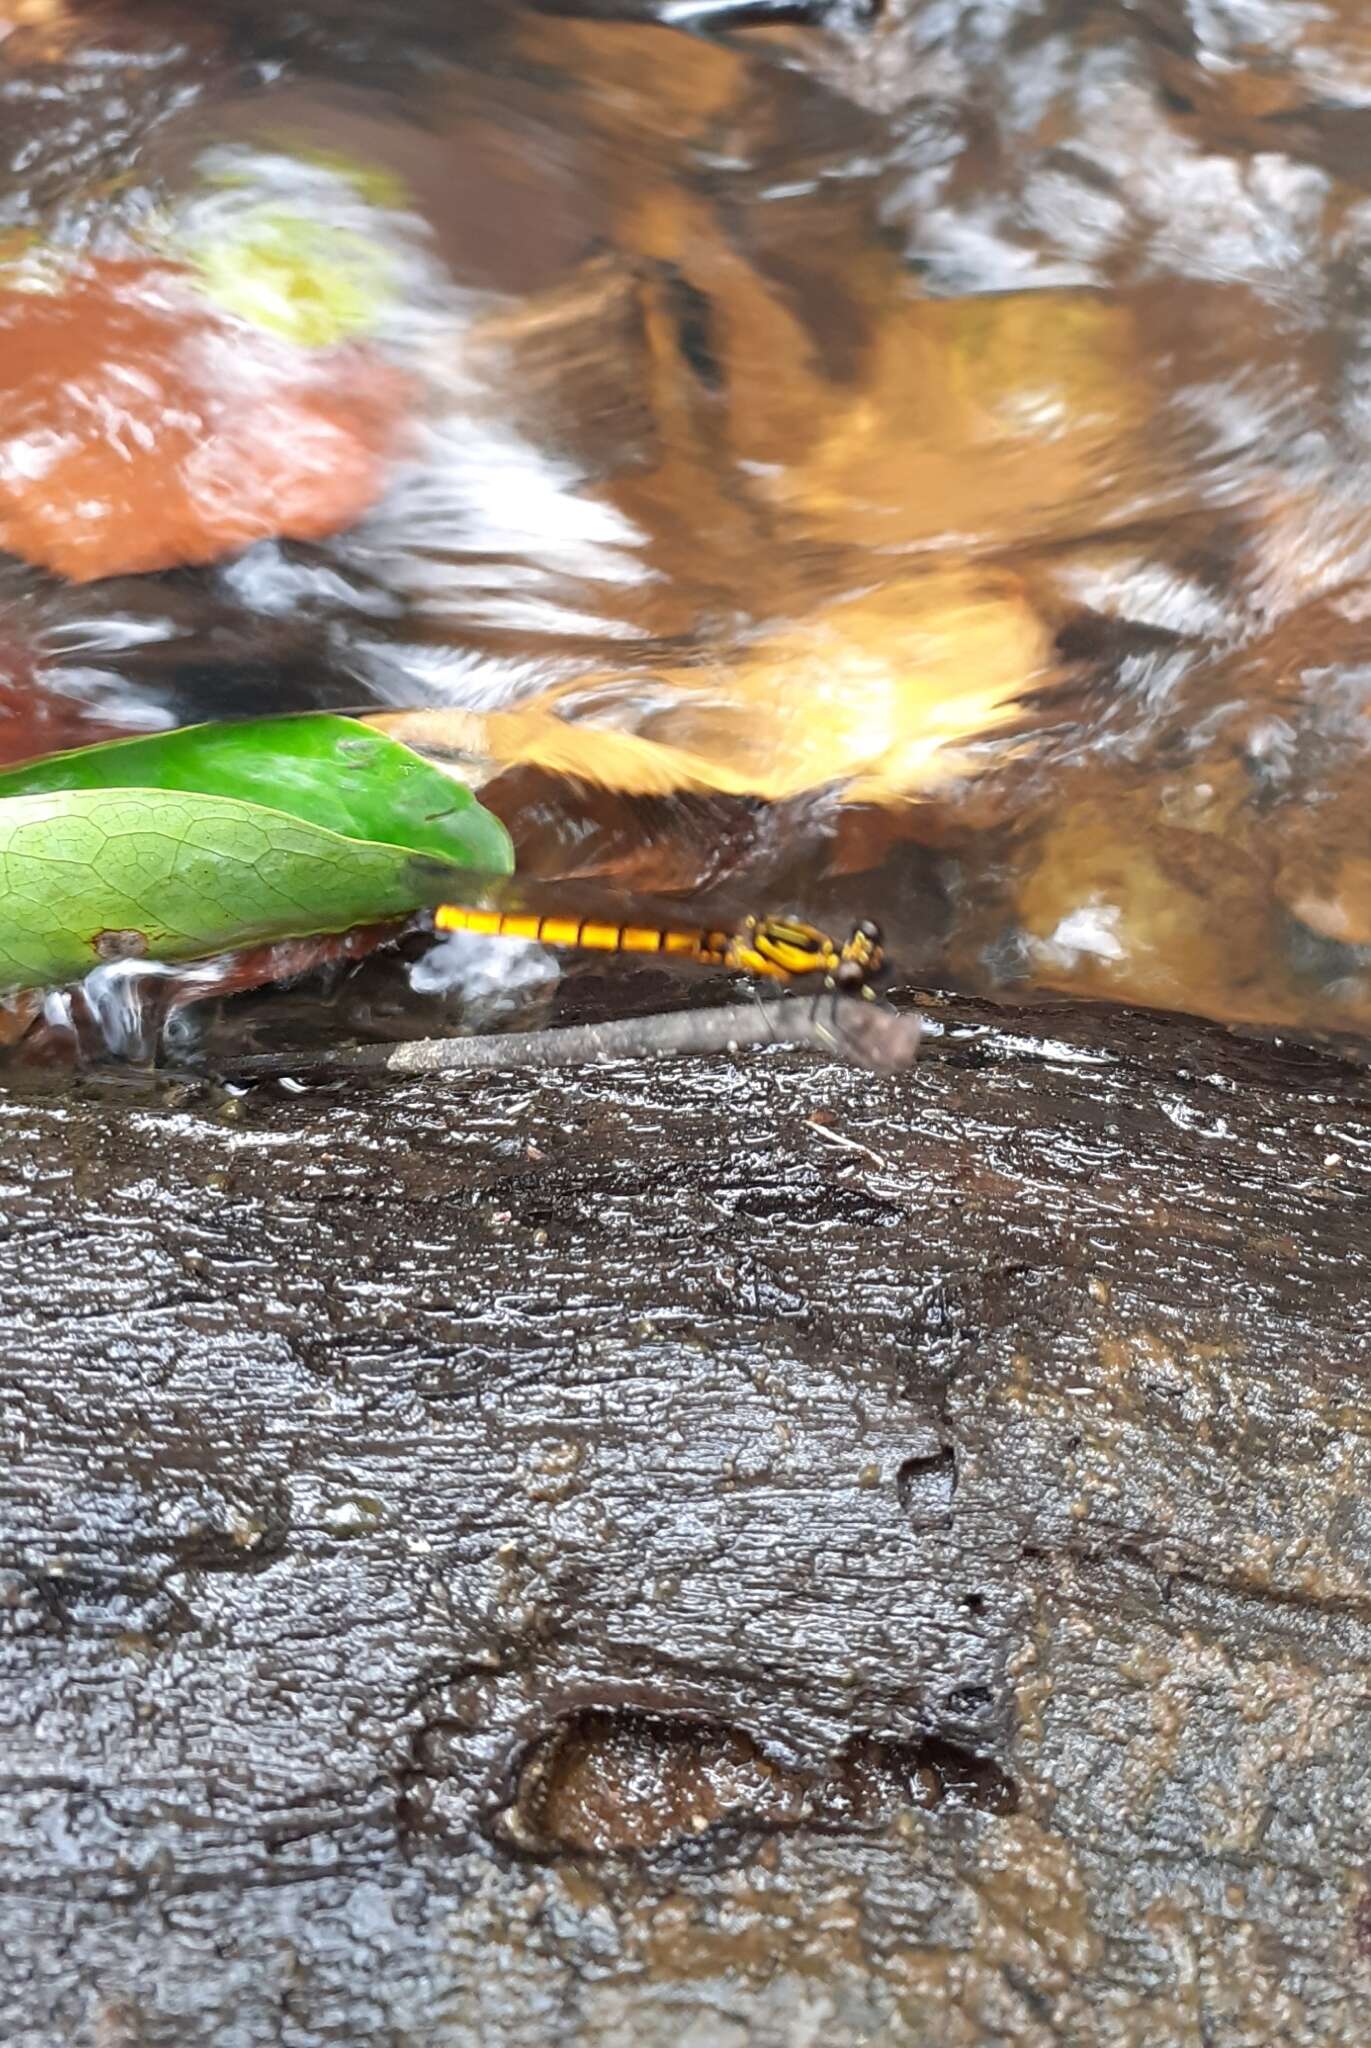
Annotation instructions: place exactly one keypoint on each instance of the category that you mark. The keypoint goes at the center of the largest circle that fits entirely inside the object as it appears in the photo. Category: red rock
(142, 429)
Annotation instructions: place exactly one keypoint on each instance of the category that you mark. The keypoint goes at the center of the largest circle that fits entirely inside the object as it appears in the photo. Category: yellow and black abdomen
(590, 933)
(772, 948)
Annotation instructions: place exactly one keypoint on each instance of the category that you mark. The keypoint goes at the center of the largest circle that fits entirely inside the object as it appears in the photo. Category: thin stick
(866, 1034)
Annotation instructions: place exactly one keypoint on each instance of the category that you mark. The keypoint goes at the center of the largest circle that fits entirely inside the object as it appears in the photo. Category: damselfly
(770, 948)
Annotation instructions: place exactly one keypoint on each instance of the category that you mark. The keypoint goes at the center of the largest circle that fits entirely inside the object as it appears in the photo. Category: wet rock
(674, 1691)
(142, 430)
(1122, 900)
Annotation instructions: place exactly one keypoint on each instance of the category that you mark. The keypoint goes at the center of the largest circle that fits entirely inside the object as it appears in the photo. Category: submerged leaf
(91, 875)
(316, 766)
(885, 696)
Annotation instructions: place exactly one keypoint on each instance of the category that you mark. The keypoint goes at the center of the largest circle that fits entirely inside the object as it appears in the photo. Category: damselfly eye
(849, 974)
(869, 930)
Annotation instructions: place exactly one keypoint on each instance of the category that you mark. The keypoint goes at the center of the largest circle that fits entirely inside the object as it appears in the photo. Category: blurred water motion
(919, 466)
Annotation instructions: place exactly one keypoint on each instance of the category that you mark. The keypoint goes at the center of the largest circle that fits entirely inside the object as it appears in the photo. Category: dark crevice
(926, 1487)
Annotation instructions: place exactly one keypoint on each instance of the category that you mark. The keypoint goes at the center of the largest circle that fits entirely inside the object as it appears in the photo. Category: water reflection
(934, 448)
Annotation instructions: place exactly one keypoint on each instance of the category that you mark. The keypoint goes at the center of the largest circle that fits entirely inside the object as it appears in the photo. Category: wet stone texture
(718, 1555)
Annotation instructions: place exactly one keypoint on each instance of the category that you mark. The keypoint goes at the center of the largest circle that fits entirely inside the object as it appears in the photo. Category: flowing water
(949, 432)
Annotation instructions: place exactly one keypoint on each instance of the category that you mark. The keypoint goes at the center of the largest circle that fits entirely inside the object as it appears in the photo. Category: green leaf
(325, 770)
(92, 874)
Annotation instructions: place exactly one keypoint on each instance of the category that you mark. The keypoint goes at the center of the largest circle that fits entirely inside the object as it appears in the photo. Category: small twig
(867, 1034)
(846, 1144)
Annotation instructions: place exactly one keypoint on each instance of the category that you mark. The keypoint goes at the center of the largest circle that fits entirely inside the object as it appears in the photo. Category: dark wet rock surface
(722, 1554)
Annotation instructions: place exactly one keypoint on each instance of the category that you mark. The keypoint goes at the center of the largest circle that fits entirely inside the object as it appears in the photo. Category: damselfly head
(861, 958)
